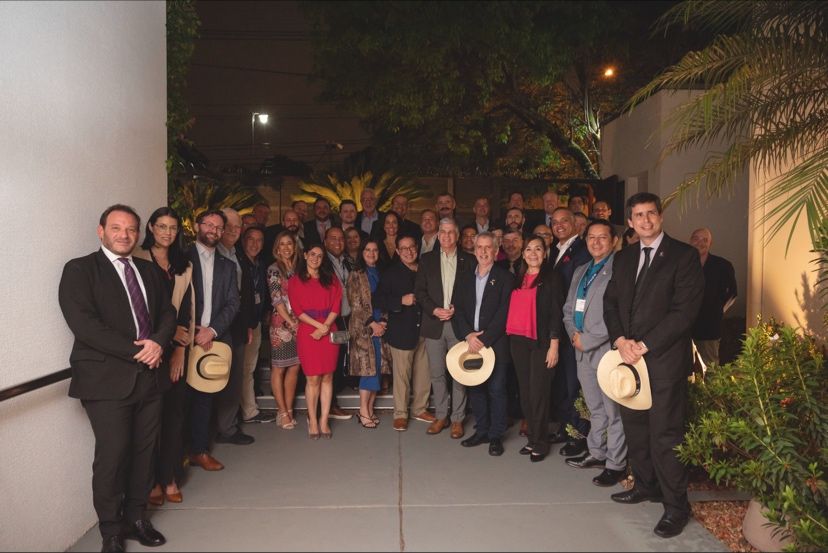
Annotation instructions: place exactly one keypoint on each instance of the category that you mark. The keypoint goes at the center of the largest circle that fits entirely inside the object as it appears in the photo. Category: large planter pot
(762, 533)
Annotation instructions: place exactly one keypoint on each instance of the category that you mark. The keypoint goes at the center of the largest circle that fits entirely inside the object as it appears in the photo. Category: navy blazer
(225, 301)
(97, 308)
(494, 308)
(576, 254)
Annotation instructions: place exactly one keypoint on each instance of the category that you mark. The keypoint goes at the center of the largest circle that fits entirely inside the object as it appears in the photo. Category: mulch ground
(723, 519)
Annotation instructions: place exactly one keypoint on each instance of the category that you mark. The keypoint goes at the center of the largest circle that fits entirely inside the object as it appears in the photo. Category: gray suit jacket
(595, 337)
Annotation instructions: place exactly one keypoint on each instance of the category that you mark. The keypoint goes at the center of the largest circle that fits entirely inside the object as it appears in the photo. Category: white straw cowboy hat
(208, 371)
(470, 369)
(628, 385)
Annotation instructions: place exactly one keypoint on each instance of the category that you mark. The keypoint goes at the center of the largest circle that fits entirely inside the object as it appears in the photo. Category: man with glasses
(217, 302)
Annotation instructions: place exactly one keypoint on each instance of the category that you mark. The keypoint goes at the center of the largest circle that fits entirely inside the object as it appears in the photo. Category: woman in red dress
(315, 296)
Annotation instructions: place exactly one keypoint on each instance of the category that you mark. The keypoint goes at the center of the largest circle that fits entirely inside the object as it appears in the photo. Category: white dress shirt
(119, 268)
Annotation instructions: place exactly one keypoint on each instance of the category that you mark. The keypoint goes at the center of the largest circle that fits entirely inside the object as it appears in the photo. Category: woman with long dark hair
(162, 246)
(534, 325)
(315, 297)
(369, 355)
(387, 240)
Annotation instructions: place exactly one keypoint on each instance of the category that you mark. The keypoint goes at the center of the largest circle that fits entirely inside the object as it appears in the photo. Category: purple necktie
(137, 299)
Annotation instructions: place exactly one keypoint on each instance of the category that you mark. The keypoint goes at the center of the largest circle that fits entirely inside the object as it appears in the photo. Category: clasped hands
(630, 350)
(150, 354)
(319, 332)
(444, 314)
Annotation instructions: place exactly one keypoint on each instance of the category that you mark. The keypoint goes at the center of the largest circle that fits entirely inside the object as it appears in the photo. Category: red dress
(316, 356)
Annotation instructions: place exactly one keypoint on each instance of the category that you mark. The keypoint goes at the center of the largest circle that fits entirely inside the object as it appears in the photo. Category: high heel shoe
(156, 496)
(174, 497)
(312, 435)
(362, 420)
(326, 435)
(284, 421)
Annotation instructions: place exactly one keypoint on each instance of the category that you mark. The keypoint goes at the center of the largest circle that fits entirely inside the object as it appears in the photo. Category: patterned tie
(643, 273)
(137, 299)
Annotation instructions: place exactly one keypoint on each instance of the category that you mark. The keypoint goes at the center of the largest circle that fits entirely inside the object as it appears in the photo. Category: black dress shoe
(476, 439)
(671, 525)
(558, 437)
(148, 536)
(574, 448)
(585, 462)
(537, 457)
(635, 495)
(239, 438)
(609, 477)
(525, 450)
(496, 447)
(113, 544)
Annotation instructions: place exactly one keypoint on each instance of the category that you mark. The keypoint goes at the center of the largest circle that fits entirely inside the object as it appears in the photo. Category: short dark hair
(400, 237)
(518, 192)
(119, 207)
(469, 226)
(209, 212)
(516, 209)
(610, 226)
(321, 199)
(642, 198)
(346, 201)
(252, 228)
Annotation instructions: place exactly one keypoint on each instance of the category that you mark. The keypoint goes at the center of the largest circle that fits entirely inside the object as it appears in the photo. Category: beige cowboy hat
(470, 369)
(628, 385)
(209, 370)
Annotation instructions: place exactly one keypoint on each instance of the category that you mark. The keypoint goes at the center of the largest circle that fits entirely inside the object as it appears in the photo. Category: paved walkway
(381, 490)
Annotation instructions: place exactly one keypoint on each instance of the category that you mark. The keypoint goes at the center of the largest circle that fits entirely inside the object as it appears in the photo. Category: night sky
(254, 57)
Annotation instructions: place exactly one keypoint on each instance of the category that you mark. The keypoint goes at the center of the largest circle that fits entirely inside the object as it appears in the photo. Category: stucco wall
(632, 148)
(83, 126)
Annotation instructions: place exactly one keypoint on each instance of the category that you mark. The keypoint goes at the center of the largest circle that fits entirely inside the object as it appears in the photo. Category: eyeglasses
(408, 249)
(211, 226)
(164, 228)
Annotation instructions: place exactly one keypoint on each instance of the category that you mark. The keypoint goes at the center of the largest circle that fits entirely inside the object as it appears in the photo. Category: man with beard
(335, 248)
(316, 228)
(119, 310)
(514, 220)
(217, 302)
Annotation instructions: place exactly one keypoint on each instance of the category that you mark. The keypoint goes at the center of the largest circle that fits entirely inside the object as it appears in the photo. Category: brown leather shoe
(425, 416)
(206, 461)
(174, 497)
(400, 425)
(156, 496)
(457, 430)
(437, 426)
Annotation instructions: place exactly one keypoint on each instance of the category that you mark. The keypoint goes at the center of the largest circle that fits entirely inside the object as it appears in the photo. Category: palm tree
(765, 80)
(193, 196)
(386, 185)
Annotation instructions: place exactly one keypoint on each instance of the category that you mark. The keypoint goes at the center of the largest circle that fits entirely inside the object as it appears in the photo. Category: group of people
(370, 294)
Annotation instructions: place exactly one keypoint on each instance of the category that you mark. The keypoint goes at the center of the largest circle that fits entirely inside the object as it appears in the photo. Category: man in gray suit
(584, 321)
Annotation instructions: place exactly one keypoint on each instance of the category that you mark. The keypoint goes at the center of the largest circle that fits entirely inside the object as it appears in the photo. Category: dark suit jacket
(576, 254)
(663, 315)
(312, 236)
(428, 287)
(375, 227)
(225, 300)
(719, 287)
(494, 308)
(97, 309)
(403, 330)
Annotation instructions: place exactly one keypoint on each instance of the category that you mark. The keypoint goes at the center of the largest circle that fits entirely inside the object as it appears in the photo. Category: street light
(263, 117)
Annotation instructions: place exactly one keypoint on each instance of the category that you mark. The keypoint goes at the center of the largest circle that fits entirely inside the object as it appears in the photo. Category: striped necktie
(137, 299)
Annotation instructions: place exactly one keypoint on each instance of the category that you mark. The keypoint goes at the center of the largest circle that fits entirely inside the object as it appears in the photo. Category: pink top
(522, 319)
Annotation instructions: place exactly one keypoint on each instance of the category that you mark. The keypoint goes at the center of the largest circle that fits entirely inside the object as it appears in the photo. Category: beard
(208, 240)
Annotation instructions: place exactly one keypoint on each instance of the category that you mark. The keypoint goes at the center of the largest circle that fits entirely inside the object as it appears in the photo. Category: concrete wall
(83, 116)
(632, 148)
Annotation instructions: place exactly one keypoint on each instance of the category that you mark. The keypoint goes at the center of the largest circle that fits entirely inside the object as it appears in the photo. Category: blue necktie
(137, 299)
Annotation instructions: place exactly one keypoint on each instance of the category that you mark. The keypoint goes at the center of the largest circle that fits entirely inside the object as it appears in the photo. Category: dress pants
(170, 466)
(651, 436)
(340, 379)
(565, 388)
(411, 376)
(489, 403)
(535, 381)
(249, 407)
(606, 431)
(126, 433)
(440, 377)
(228, 399)
(201, 409)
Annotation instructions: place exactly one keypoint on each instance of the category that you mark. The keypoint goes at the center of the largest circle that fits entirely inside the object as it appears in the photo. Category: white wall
(83, 110)
(632, 148)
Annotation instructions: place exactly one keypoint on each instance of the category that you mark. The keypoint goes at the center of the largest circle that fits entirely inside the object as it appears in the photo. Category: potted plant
(761, 425)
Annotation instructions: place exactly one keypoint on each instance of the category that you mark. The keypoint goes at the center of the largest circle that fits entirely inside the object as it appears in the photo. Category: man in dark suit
(569, 253)
(399, 205)
(433, 289)
(119, 310)
(481, 304)
(370, 218)
(217, 302)
(650, 304)
(316, 228)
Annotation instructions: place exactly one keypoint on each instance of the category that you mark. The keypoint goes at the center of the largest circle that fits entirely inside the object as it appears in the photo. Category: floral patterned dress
(283, 351)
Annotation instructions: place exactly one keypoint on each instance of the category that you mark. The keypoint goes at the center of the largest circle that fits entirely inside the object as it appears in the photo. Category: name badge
(580, 305)
(258, 297)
